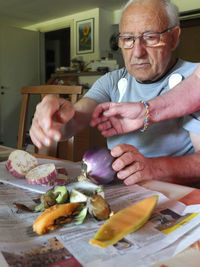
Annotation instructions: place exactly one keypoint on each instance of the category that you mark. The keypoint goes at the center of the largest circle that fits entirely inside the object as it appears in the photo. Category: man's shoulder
(184, 67)
(113, 76)
(119, 73)
(110, 79)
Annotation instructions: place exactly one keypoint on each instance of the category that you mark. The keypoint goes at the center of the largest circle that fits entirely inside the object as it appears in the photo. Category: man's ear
(175, 34)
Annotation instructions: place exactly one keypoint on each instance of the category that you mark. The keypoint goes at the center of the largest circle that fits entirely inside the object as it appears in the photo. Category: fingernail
(120, 175)
(47, 142)
(56, 137)
(117, 166)
(128, 182)
(38, 145)
(46, 124)
(106, 113)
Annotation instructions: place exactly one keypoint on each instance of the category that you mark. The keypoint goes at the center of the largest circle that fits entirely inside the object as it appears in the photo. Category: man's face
(147, 63)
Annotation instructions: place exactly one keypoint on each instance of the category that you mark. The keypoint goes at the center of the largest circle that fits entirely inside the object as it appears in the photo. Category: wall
(19, 66)
(103, 21)
(186, 5)
(188, 48)
(105, 31)
(94, 13)
(117, 55)
(70, 21)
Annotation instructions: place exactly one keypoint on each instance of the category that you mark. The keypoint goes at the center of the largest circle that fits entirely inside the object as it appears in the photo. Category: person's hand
(130, 165)
(118, 118)
(50, 116)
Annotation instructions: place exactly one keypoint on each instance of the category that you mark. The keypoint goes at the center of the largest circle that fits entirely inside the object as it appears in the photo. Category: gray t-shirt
(167, 138)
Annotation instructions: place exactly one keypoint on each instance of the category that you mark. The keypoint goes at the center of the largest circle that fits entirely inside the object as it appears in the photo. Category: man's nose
(139, 49)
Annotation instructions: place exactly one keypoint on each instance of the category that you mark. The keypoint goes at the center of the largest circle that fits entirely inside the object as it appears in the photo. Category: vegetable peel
(46, 220)
(124, 222)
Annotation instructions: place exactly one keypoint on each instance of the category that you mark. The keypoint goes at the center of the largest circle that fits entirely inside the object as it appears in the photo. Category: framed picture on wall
(85, 36)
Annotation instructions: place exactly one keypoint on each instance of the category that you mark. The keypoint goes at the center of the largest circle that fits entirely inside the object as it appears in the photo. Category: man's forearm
(181, 170)
(181, 100)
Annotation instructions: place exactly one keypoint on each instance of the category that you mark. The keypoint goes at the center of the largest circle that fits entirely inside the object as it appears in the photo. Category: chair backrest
(70, 92)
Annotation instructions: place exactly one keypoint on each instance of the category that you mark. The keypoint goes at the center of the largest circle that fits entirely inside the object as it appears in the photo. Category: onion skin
(99, 165)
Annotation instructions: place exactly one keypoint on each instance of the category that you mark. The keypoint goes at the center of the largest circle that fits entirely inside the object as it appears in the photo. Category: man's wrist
(156, 107)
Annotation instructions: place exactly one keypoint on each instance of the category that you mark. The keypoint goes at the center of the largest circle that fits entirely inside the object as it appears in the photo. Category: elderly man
(149, 32)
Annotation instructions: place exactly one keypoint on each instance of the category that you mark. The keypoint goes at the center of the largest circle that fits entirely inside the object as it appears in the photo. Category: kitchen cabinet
(85, 78)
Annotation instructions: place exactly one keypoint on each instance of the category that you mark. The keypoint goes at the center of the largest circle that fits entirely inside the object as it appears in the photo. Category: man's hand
(118, 118)
(130, 165)
(50, 116)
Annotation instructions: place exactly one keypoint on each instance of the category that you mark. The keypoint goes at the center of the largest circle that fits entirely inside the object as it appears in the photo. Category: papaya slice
(124, 222)
(46, 221)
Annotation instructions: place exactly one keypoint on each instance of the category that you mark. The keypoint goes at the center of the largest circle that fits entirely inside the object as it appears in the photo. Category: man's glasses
(150, 39)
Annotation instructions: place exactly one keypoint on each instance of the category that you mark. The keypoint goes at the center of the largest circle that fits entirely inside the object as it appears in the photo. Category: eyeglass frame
(133, 37)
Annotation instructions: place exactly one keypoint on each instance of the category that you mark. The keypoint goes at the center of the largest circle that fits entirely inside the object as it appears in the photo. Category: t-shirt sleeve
(105, 89)
(191, 122)
(100, 90)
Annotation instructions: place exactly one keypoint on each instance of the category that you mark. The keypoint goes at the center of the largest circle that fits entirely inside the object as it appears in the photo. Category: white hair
(171, 10)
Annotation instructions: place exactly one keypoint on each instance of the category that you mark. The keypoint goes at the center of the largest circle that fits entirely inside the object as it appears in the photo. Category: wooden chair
(70, 92)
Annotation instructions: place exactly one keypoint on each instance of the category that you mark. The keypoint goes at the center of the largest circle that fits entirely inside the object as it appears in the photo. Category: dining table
(188, 195)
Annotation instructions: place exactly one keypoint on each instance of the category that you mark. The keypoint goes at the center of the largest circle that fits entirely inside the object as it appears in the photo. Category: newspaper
(172, 227)
(170, 221)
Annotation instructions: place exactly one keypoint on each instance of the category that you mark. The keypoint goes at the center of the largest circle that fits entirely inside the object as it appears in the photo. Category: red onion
(99, 165)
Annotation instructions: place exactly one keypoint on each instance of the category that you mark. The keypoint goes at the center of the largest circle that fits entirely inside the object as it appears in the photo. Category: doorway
(57, 50)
